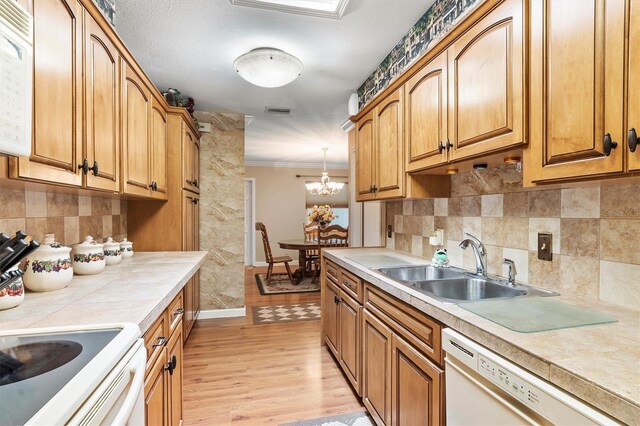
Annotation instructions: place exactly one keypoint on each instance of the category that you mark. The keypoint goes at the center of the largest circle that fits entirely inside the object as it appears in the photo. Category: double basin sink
(452, 285)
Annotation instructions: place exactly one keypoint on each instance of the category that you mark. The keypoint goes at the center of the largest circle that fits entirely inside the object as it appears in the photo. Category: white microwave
(16, 76)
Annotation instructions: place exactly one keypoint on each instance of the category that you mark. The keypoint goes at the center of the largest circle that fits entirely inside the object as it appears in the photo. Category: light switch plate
(545, 246)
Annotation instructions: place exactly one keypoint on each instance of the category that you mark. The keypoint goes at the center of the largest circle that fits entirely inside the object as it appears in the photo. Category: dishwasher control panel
(510, 382)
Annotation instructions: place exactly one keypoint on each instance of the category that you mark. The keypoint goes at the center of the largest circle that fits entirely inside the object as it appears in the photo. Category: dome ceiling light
(268, 67)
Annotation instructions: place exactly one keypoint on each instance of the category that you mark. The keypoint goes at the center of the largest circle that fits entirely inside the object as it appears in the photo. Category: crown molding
(294, 165)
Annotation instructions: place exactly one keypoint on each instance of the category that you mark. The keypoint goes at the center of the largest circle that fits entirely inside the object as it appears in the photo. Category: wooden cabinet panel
(156, 394)
(389, 179)
(331, 295)
(376, 369)
(158, 153)
(350, 317)
(196, 164)
(486, 87)
(577, 54)
(417, 387)
(155, 338)
(190, 161)
(187, 321)
(136, 107)
(365, 158)
(196, 295)
(426, 115)
(102, 110)
(175, 374)
(56, 147)
(633, 91)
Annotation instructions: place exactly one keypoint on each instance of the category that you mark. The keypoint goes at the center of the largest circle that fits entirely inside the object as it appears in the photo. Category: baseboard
(265, 264)
(223, 313)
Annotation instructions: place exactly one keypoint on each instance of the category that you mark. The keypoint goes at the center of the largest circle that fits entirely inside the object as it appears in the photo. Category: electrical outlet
(545, 246)
(389, 231)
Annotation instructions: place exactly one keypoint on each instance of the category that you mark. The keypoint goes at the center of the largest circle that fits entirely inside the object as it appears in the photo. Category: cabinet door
(174, 352)
(330, 316)
(156, 393)
(190, 156)
(56, 145)
(187, 321)
(633, 98)
(486, 89)
(576, 79)
(417, 387)
(158, 152)
(196, 295)
(426, 115)
(349, 342)
(376, 369)
(389, 143)
(365, 158)
(136, 110)
(102, 109)
(196, 164)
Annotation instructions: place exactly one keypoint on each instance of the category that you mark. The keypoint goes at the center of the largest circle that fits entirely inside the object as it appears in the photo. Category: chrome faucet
(478, 250)
(512, 272)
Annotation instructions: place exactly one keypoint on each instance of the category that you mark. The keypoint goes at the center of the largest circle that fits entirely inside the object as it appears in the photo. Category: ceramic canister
(112, 252)
(49, 267)
(88, 257)
(13, 295)
(127, 248)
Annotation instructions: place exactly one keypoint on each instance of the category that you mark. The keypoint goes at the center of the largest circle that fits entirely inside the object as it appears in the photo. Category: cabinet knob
(449, 145)
(195, 183)
(171, 365)
(95, 168)
(161, 341)
(609, 144)
(84, 167)
(632, 140)
(440, 147)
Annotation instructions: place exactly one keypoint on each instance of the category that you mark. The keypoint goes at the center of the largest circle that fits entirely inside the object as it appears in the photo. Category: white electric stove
(90, 374)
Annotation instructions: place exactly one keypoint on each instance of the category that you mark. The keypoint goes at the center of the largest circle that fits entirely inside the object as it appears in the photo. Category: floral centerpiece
(322, 215)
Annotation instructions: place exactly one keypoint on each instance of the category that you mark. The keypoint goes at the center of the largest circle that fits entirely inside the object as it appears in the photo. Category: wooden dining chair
(269, 256)
(330, 236)
(310, 235)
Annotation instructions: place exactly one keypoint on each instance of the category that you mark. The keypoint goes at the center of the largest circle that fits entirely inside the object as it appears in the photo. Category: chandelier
(325, 186)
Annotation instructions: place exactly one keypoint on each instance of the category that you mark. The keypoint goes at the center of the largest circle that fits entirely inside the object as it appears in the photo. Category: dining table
(302, 246)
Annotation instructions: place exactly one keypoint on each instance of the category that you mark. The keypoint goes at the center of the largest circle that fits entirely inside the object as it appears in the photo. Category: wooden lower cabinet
(163, 378)
(416, 387)
(330, 314)
(349, 325)
(376, 369)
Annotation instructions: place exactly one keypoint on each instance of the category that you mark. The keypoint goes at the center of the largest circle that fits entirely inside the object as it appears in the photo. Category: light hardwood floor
(239, 373)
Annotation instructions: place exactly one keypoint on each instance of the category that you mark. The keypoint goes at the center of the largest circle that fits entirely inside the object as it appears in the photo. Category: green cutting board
(533, 314)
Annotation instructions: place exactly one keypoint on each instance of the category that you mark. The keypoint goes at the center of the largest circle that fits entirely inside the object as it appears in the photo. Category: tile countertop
(599, 364)
(136, 290)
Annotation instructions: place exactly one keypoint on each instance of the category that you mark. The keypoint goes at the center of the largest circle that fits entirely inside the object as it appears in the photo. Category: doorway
(249, 220)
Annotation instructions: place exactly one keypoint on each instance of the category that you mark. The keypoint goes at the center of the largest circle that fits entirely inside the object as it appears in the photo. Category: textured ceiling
(191, 45)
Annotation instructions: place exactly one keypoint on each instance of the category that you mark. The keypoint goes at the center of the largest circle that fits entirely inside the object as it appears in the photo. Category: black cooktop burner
(26, 361)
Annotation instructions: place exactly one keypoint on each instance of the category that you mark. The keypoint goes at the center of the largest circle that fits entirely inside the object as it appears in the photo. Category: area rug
(270, 314)
(280, 284)
(350, 419)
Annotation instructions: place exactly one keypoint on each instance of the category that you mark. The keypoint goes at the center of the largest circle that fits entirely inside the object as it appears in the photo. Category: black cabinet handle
(375, 188)
(440, 147)
(449, 145)
(195, 183)
(94, 168)
(336, 299)
(161, 341)
(84, 167)
(632, 140)
(194, 200)
(609, 144)
(151, 186)
(171, 365)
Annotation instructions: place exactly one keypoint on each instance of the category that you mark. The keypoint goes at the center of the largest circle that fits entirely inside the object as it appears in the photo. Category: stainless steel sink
(421, 273)
(452, 285)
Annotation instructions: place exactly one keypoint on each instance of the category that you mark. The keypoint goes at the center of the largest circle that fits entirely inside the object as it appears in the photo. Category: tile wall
(70, 217)
(595, 232)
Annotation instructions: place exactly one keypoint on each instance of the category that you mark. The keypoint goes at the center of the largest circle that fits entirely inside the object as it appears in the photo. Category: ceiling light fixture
(267, 67)
(321, 8)
(325, 186)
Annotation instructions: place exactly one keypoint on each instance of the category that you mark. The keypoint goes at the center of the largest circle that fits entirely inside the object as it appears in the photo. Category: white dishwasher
(483, 388)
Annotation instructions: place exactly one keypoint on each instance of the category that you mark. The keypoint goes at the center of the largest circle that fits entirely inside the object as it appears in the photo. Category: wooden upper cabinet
(190, 160)
(425, 114)
(416, 387)
(136, 110)
(365, 158)
(486, 89)
(389, 143)
(158, 152)
(56, 147)
(576, 79)
(102, 121)
(633, 96)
